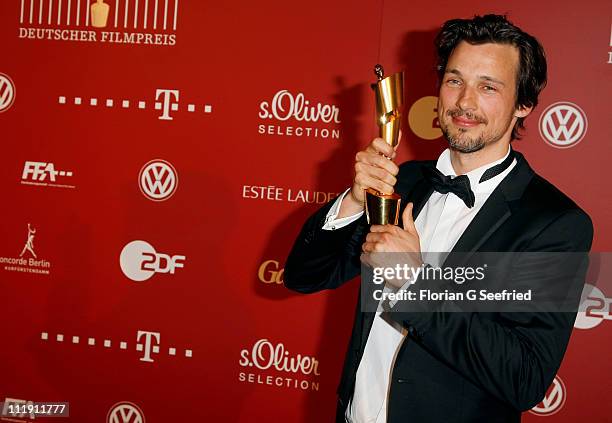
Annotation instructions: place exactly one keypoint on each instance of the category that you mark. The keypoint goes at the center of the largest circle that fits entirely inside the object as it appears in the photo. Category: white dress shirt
(440, 224)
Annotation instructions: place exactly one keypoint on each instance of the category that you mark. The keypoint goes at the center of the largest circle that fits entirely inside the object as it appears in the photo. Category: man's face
(476, 105)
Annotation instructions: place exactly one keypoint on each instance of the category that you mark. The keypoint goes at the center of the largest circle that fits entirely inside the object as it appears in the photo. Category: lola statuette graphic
(99, 14)
(383, 209)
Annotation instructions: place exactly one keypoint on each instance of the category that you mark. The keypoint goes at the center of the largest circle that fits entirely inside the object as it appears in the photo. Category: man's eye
(452, 81)
(489, 88)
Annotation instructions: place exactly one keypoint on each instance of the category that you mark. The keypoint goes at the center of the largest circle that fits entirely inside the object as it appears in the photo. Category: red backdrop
(260, 109)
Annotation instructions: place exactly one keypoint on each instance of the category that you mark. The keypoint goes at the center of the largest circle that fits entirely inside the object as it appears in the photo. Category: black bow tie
(460, 185)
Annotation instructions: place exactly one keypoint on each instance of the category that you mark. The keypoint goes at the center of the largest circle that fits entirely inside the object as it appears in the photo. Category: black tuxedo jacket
(458, 367)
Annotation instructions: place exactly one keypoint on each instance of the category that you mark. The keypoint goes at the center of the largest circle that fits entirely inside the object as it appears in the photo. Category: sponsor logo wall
(159, 158)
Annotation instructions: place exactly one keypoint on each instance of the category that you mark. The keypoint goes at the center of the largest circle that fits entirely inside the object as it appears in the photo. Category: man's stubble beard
(465, 145)
(468, 144)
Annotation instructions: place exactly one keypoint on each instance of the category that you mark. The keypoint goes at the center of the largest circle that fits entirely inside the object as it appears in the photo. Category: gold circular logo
(423, 118)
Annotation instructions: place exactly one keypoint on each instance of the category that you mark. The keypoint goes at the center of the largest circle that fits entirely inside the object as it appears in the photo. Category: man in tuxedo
(478, 196)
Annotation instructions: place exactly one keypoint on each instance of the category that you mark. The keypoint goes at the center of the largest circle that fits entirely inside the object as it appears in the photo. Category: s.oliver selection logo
(290, 195)
(553, 400)
(146, 22)
(158, 180)
(292, 115)
(139, 261)
(563, 124)
(45, 174)
(125, 412)
(7, 92)
(269, 364)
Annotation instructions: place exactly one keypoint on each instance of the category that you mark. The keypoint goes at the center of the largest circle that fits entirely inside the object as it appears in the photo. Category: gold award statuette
(383, 209)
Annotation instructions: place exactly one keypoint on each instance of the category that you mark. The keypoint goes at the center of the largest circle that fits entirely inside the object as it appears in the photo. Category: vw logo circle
(563, 124)
(125, 412)
(553, 401)
(158, 180)
(7, 92)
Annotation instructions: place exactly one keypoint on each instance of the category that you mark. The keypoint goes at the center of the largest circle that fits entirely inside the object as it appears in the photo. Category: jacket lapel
(495, 211)
(492, 214)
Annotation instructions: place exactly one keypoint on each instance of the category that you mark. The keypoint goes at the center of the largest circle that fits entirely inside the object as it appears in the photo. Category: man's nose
(467, 99)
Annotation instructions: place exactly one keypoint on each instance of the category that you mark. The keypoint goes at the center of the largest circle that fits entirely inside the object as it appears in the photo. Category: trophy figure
(383, 209)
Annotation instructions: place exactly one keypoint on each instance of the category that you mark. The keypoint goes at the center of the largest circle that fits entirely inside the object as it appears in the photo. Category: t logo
(147, 344)
(167, 102)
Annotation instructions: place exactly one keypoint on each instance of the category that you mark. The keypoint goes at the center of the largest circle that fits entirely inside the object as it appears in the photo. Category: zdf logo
(563, 124)
(139, 261)
(596, 306)
(423, 118)
(553, 401)
(125, 412)
(158, 180)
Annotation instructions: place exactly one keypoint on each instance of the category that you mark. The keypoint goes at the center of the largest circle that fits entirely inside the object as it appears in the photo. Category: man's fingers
(376, 160)
(373, 247)
(366, 259)
(382, 228)
(407, 220)
(379, 146)
(383, 163)
(374, 238)
(367, 181)
(382, 175)
(368, 247)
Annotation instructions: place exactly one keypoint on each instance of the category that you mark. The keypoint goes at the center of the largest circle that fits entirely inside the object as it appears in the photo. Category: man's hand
(373, 169)
(385, 239)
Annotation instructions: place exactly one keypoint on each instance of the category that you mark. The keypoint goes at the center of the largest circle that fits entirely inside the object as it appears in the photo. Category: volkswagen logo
(125, 412)
(563, 124)
(7, 92)
(158, 180)
(553, 400)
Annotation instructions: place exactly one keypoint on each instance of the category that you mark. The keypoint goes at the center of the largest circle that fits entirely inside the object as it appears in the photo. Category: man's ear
(523, 111)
